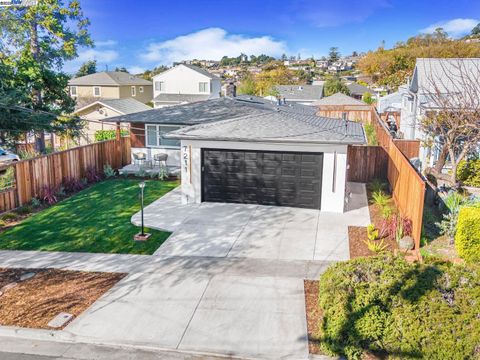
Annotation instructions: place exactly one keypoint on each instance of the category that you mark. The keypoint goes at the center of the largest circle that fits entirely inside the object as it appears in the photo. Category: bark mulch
(33, 303)
(314, 315)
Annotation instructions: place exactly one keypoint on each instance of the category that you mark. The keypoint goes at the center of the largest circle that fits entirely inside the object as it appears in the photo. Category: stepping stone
(27, 276)
(8, 287)
(60, 320)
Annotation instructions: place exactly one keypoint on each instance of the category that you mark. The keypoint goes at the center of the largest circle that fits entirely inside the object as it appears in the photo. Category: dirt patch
(314, 316)
(33, 303)
(357, 235)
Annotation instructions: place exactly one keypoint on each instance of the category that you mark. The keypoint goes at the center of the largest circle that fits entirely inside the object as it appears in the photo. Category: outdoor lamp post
(141, 236)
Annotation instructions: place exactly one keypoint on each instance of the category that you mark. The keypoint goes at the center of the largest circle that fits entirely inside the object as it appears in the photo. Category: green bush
(394, 309)
(468, 172)
(24, 210)
(102, 135)
(371, 134)
(10, 216)
(467, 238)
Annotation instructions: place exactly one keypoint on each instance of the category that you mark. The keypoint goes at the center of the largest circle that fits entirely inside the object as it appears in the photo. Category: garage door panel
(269, 178)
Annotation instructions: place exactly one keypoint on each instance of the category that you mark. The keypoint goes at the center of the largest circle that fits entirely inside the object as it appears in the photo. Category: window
(154, 136)
(140, 89)
(73, 90)
(134, 91)
(159, 86)
(97, 91)
(203, 87)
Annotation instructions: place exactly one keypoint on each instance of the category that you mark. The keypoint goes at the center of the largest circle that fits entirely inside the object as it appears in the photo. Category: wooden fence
(366, 163)
(409, 148)
(51, 170)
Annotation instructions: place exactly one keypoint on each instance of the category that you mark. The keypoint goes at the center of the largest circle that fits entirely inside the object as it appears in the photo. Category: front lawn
(96, 220)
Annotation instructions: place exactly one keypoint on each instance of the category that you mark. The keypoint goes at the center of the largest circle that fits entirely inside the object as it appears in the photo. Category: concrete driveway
(255, 231)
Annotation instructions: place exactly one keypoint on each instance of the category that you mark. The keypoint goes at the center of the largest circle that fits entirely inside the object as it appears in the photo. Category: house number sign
(186, 157)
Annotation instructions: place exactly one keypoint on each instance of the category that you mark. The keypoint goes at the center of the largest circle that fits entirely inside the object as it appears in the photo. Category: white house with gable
(184, 84)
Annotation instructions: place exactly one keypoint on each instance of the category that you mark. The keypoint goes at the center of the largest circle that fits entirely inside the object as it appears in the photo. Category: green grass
(96, 220)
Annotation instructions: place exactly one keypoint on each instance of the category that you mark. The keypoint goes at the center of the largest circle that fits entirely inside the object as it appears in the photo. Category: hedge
(388, 307)
(102, 135)
(468, 172)
(467, 237)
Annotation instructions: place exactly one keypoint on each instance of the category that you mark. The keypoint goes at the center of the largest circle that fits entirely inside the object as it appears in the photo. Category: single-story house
(336, 105)
(277, 158)
(302, 94)
(357, 91)
(98, 112)
(148, 128)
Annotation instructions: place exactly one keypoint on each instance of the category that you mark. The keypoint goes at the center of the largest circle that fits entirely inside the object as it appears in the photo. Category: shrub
(467, 238)
(380, 198)
(396, 227)
(92, 175)
(371, 134)
(49, 195)
(36, 202)
(386, 212)
(163, 173)
(72, 185)
(108, 171)
(24, 210)
(377, 247)
(389, 307)
(372, 233)
(10, 216)
(2, 223)
(377, 185)
(468, 172)
(454, 201)
(102, 135)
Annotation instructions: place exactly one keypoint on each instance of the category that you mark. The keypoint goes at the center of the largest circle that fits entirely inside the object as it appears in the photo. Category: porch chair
(139, 158)
(159, 158)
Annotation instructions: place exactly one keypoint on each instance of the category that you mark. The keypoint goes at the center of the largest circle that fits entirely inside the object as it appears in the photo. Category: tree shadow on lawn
(425, 280)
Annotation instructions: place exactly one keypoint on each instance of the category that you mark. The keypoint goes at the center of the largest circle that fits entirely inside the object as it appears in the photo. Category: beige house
(96, 113)
(109, 85)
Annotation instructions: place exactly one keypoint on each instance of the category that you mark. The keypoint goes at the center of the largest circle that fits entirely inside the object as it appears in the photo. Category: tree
(284, 57)
(247, 85)
(333, 54)
(335, 85)
(476, 30)
(354, 54)
(37, 40)
(368, 98)
(89, 67)
(149, 74)
(453, 122)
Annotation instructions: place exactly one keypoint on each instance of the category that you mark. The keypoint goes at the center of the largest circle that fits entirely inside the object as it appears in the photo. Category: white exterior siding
(183, 80)
(173, 159)
(333, 197)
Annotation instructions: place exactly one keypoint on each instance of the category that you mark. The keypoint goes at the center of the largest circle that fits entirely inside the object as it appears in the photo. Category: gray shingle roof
(276, 126)
(213, 110)
(391, 102)
(339, 99)
(300, 92)
(123, 106)
(110, 78)
(357, 89)
(179, 98)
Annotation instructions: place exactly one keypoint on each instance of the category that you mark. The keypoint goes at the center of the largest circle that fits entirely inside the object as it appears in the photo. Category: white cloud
(454, 27)
(211, 44)
(102, 56)
(106, 43)
(136, 70)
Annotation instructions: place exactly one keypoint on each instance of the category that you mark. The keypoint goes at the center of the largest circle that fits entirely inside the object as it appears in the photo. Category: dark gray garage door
(267, 178)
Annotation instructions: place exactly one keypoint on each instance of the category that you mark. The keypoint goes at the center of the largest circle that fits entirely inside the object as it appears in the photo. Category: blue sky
(143, 33)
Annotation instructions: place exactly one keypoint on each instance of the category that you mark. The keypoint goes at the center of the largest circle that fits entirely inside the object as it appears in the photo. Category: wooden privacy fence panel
(409, 148)
(51, 170)
(8, 200)
(366, 163)
(408, 190)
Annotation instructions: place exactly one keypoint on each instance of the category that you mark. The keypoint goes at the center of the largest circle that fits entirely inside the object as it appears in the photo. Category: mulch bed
(314, 315)
(358, 234)
(33, 303)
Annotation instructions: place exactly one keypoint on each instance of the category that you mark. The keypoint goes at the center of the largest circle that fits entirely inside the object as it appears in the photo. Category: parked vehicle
(7, 157)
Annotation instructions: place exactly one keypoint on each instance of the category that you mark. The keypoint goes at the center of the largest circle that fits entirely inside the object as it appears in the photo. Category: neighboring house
(336, 105)
(357, 91)
(417, 100)
(389, 107)
(302, 94)
(109, 85)
(96, 113)
(184, 84)
(277, 157)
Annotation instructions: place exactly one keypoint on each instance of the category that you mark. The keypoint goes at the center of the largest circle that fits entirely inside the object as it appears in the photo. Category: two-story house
(433, 78)
(107, 94)
(184, 84)
(109, 85)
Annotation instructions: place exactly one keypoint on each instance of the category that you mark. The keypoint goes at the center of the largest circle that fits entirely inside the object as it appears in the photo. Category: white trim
(133, 90)
(140, 89)
(157, 132)
(99, 91)
(207, 87)
(71, 92)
